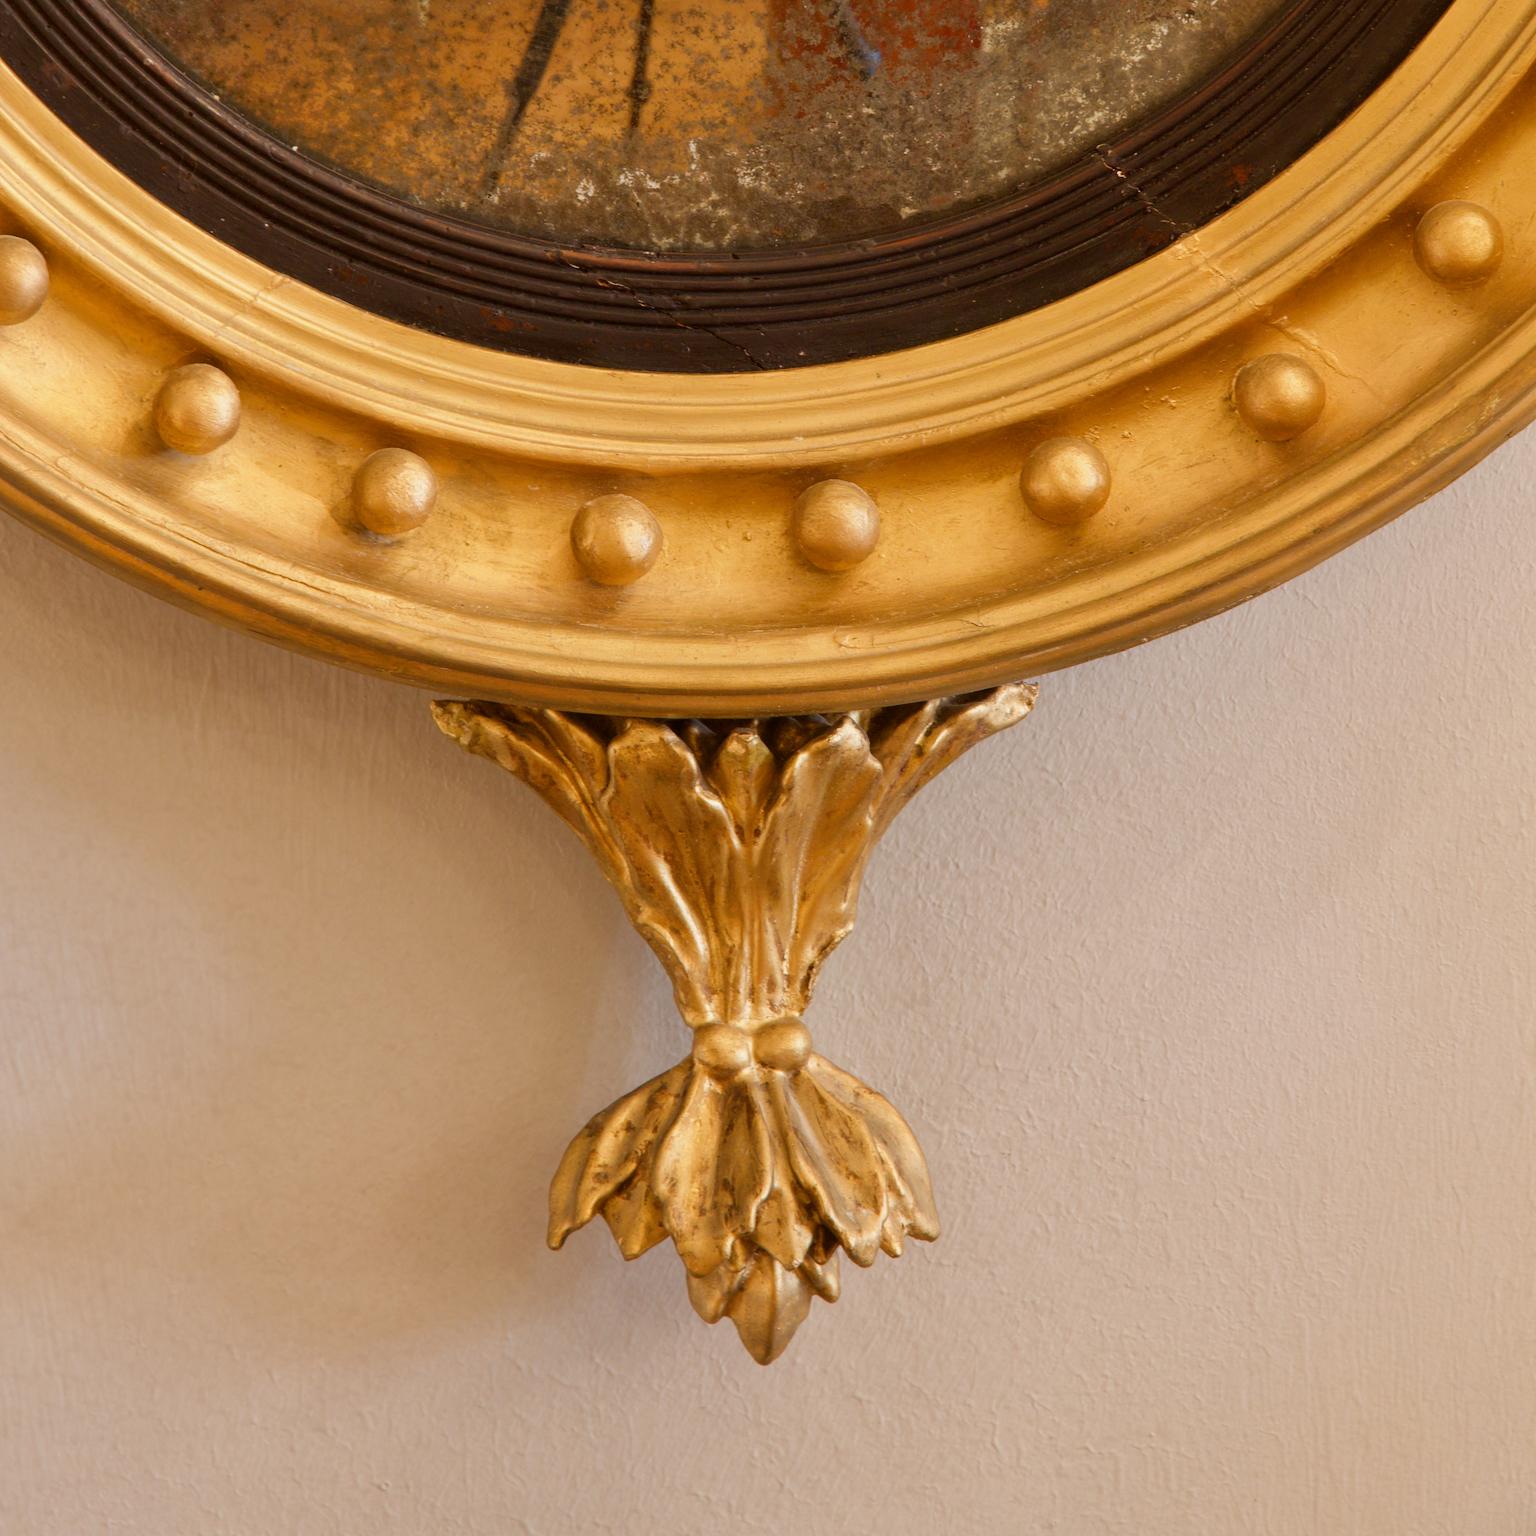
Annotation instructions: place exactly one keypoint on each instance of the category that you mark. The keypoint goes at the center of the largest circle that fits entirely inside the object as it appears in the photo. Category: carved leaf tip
(759, 1180)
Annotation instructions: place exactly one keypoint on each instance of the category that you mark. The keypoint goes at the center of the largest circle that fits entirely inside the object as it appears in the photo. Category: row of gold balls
(616, 538)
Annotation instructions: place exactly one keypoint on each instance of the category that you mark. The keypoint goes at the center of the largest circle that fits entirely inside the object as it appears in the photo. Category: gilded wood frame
(965, 588)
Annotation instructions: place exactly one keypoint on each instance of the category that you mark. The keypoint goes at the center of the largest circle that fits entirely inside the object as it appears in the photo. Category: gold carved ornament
(737, 851)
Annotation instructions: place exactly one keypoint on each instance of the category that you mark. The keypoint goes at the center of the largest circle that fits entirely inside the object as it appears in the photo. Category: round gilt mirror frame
(728, 622)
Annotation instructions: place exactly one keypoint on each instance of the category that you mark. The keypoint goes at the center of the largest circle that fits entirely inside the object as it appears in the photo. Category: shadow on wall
(295, 1098)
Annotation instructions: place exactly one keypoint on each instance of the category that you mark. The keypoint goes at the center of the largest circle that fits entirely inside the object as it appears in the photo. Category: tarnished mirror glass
(699, 124)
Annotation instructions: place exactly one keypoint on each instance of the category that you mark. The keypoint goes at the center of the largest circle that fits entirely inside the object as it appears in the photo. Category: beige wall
(1210, 992)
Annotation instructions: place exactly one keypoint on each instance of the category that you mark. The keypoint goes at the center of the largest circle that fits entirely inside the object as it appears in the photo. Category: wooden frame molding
(967, 587)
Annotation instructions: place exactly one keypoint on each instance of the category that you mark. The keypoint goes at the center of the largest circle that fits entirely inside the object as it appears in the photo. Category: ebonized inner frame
(682, 313)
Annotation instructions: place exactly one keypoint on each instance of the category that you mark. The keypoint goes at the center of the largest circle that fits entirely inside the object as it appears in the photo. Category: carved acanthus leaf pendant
(738, 849)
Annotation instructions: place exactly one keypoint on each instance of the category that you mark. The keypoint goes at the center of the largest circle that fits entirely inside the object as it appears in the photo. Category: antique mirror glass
(708, 127)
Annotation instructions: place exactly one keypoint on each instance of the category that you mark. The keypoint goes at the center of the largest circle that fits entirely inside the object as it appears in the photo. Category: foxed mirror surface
(699, 124)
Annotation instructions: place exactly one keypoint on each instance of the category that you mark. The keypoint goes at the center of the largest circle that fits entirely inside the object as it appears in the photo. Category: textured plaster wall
(1210, 992)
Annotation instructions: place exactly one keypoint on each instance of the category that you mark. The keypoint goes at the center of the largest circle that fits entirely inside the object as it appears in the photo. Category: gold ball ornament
(836, 525)
(1279, 396)
(1459, 243)
(197, 409)
(393, 492)
(616, 539)
(784, 1046)
(1066, 480)
(722, 1050)
(23, 279)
